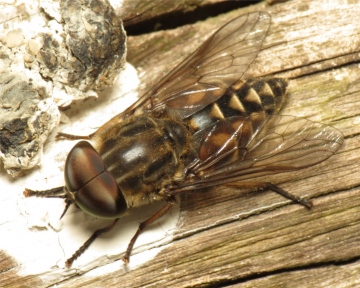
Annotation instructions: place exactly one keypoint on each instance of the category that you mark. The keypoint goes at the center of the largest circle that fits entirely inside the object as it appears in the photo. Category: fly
(202, 125)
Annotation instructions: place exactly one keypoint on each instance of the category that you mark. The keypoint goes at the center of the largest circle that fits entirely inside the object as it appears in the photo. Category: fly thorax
(144, 156)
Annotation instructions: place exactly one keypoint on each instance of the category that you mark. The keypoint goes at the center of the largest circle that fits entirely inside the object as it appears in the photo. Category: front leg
(57, 192)
(86, 245)
(171, 201)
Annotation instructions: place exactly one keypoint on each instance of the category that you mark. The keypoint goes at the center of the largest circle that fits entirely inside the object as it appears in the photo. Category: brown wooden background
(252, 239)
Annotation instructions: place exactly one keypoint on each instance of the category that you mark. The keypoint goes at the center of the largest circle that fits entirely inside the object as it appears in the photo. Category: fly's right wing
(234, 150)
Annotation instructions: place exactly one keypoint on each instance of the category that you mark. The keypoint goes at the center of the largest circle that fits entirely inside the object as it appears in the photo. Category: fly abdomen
(262, 96)
(257, 95)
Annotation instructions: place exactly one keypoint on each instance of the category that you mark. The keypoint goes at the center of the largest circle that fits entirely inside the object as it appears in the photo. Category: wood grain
(256, 239)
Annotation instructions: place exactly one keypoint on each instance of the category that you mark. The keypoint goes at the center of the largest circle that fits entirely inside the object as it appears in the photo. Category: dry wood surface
(259, 239)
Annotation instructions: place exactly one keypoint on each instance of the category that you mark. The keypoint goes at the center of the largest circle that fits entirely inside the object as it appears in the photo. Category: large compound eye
(96, 191)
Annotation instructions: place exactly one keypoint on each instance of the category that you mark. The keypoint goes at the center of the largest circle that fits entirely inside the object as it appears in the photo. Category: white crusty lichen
(51, 53)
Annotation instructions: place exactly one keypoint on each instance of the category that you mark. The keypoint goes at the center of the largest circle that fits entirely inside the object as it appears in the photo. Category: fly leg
(57, 192)
(82, 249)
(270, 186)
(62, 135)
(171, 201)
(290, 196)
(50, 193)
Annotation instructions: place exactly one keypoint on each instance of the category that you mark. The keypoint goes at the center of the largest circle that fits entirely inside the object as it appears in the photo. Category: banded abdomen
(260, 96)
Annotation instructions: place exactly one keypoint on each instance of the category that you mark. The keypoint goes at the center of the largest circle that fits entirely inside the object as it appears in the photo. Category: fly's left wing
(204, 76)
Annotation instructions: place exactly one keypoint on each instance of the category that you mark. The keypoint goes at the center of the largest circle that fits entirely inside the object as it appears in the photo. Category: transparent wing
(234, 150)
(204, 76)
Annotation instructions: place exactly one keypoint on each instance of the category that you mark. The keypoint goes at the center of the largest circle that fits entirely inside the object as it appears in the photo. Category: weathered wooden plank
(259, 245)
(135, 11)
(303, 278)
(251, 239)
(225, 236)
